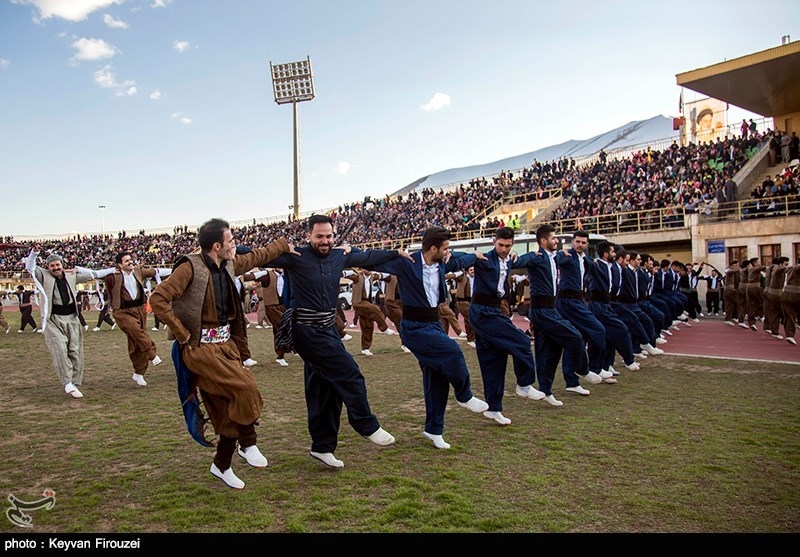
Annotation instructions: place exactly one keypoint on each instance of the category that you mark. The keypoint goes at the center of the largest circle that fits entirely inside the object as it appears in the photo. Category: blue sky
(163, 110)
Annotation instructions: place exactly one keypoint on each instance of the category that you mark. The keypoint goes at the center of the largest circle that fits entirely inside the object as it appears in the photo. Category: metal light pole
(102, 221)
(293, 83)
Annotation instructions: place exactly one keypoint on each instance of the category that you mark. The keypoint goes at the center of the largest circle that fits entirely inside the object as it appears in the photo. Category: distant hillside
(629, 135)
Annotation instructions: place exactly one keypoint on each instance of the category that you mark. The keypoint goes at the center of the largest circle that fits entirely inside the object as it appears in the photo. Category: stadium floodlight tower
(293, 83)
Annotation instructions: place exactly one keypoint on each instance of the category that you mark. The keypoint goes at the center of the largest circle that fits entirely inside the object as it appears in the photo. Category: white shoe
(405, 349)
(700, 314)
(579, 390)
(164, 327)
(352, 325)
(650, 350)
(474, 404)
(661, 340)
(253, 456)
(96, 329)
(696, 320)
(327, 459)
(498, 417)
(438, 440)
(390, 332)
(743, 325)
(462, 334)
(38, 331)
(154, 329)
(381, 437)
(613, 371)
(155, 361)
(471, 344)
(259, 327)
(731, 323)
(609, 380)
(139, 379)
(282, 362)
(86, 327)
(228, 477)
(367, 352)
(72, 390)
(633, 367)
(667, 332)
(778, 337)
(552, 400)
(593, 378)
(605, 374)
(347, 337)
(530, 392)
(249, 362)
(640, 355)
(114, 326)
(791, 340)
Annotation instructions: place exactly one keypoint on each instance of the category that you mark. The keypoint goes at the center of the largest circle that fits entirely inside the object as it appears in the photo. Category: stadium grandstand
(732, 196)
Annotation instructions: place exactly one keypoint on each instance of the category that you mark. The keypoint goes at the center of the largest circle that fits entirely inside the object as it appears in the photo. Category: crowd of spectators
(675, 180)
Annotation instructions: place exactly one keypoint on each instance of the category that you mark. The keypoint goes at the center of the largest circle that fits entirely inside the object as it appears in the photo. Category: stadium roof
(766, 82)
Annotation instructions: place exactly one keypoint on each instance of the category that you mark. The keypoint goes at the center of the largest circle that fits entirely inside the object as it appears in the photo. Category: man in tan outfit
(369, 315)
(270, 307)
(202, 308)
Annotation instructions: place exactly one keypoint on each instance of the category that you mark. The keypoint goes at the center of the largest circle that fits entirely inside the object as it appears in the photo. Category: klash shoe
(661, 340)
(249, 362)
(731, 323)
(552, 400)
(633, 367)
(19, 331)
(743, 325)
(139, 379)
(754, 327)
(462, 334)
(791, 340)
(381, 437)
(613, 371)
(474, 404)
(114, 326)
(228, 477)
(96, 329)
(259, 327)
(777, 337)
(640, 355)
(253, 456)
(281, 362)
(667, 332)
(347, 337)
(593, 378)
(153, 328)
(471, 344)
(696, 320)
(86, 327)
(605, 374)
(530, 392)
(8, 329)
(367, 352)
(405, 349)
(352, 325)
(609, 380)
(438, 440)
(390, 332)
(327, 459)
(497, 416)
(155, 361)
(72, 390)
(579, 390)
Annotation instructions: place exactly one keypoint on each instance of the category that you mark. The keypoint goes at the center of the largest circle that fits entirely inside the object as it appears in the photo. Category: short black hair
(543, 231)
(120, 256)
(581, 233)
(504, 233)
(603, 248)
(210, 232)
(318, 219)
(434, 236)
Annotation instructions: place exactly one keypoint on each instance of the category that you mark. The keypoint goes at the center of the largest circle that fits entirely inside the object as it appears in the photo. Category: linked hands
(404, 254)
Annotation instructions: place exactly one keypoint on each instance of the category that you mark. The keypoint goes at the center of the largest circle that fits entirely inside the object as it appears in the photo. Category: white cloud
(343, 168)
(180, 46)
(4, 63)
(107, 79)
(437, 102)
(93, 49)
(160, 3)
(155, 95)
(71, 10)
(114, 23)
(182, 119)
(129, 92)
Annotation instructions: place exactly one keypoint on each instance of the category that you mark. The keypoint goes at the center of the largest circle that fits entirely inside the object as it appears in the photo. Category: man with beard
(63, 332)
(332, 377)
(422, 290)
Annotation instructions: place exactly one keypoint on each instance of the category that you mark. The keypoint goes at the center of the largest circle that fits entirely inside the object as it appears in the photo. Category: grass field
(686, 445)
